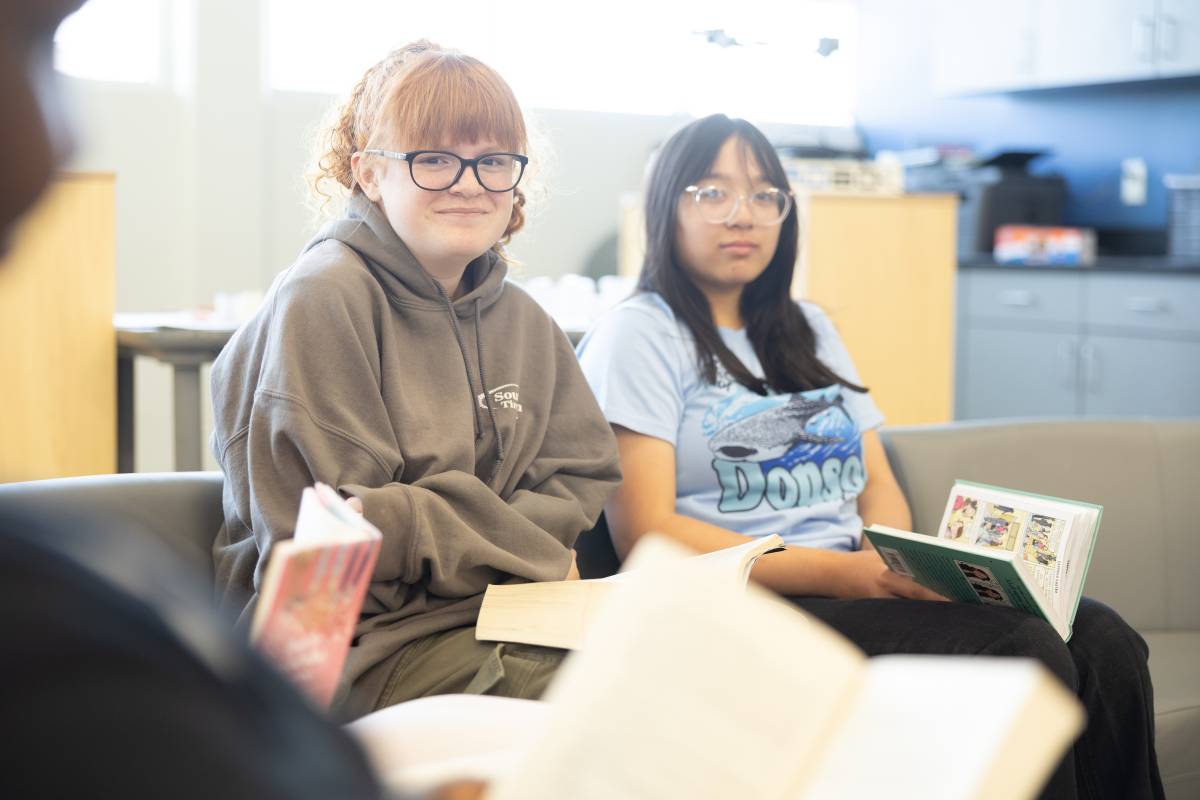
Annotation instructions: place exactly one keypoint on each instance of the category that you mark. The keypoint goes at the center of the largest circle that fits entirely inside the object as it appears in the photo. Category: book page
(1078, 556)
(558, 613)
(686, 689)
(551, 614)
(1038, 529)
(950, 728)
(420, 744)
(325, 516)
(737, 562)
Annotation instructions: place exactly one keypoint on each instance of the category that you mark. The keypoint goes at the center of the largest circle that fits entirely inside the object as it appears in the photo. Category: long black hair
(782, 338)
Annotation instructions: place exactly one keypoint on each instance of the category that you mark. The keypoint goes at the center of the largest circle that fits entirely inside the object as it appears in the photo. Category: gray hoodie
(466, 428)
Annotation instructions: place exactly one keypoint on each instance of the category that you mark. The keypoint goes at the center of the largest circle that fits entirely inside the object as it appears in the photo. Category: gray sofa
(1144, 472)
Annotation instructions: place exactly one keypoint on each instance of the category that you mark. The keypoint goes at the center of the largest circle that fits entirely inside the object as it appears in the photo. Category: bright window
(755, 59)
(112, 40)
(318, 46)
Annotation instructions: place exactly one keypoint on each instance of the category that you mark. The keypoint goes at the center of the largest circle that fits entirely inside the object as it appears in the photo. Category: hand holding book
(868, 575)
(1001, 547)
(313, 591)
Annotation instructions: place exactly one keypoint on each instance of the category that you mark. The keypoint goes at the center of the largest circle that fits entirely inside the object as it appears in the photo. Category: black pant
(1105, 664)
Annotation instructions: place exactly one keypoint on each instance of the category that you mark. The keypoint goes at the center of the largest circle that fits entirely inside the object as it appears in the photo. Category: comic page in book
(1035, 529)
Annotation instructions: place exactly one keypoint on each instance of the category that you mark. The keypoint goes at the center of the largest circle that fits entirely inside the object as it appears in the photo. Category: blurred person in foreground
(116, 679)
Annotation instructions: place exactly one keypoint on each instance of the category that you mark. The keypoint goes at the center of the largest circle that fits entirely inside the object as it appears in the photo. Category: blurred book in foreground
(691, 687)
(313, 591)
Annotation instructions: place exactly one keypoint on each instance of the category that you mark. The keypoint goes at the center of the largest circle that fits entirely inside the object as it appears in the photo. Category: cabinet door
(1155, 305)
(1017, 373)
(983, 46)
(1023, 299)
(1095, 41)
(1126, 376)
(1178, 38)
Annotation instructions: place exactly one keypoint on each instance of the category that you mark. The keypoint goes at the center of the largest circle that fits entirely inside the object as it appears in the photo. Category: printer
(992, 192)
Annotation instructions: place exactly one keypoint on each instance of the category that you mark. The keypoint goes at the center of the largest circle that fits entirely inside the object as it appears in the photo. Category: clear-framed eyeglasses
(719, 205)
(438, 170)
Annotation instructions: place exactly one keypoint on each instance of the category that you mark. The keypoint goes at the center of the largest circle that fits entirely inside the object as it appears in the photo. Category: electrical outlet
(1133, 181)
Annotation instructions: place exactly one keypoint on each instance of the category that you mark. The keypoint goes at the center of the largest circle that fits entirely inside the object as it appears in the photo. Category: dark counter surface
(1173, 265)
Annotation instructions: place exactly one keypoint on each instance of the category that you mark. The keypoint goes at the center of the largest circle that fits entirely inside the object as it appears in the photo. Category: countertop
(1173, 265)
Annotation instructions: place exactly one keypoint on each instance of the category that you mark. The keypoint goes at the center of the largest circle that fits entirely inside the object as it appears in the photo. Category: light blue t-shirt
(790, 464)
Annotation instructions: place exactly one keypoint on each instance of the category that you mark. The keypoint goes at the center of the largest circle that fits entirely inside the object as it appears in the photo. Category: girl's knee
(1103, 641)
(1035, 638)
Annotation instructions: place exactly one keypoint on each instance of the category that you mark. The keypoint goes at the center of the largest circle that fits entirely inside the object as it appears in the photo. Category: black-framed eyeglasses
(438, 170)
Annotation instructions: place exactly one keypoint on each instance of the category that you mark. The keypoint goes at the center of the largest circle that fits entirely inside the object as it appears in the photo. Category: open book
(313, 591)
(1001, 547)
(558, 613)
(686, 688)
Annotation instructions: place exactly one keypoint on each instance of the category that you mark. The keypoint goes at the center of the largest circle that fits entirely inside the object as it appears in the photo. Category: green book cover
(960, 572)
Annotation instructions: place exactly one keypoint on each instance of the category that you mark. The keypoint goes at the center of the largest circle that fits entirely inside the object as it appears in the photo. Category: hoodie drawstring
(487, 396)
(462, 349)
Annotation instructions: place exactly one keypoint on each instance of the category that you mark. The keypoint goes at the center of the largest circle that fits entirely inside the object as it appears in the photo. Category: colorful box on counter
(1034, 244)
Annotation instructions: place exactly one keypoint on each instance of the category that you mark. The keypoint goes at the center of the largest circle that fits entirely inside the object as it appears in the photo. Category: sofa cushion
(1175, 665)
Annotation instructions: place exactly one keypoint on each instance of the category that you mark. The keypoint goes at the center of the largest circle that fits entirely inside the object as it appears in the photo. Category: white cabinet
(1037, 343)
(1177, 38)
(989, 46)
(1094, 41)
(983, 46)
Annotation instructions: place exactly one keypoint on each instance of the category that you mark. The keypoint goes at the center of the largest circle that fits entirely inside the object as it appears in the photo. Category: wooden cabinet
(57, 346)
(884, 269)
(1077, 343)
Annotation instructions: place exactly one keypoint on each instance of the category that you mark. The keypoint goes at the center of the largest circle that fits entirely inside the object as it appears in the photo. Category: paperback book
(1001, 547)
(313, 591)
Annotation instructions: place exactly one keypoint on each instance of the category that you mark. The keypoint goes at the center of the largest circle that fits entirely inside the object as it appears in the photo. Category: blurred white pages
(686, 688)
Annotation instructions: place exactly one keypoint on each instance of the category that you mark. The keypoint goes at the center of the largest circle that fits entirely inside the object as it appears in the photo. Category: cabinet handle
(1168, 38)
(1070, 365)
(1146, 305)
(1016, 298)
(1090, 366)
(1143, 39)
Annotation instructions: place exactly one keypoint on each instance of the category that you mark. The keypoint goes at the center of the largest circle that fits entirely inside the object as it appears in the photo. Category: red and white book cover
(313, 592)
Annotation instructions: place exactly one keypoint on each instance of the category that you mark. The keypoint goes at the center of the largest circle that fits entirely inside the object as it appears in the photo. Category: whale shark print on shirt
(786, 450)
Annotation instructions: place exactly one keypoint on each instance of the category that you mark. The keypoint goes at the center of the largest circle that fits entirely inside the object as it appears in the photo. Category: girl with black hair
(738, 413)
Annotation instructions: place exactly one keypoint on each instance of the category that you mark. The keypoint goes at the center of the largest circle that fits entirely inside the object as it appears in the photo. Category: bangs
(755, 147)
(448, 98)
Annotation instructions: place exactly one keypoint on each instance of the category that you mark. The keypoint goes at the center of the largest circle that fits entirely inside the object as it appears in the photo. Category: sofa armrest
(181, 508)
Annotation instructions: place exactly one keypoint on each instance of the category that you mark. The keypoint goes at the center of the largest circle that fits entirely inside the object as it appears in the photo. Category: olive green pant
(453, 662)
